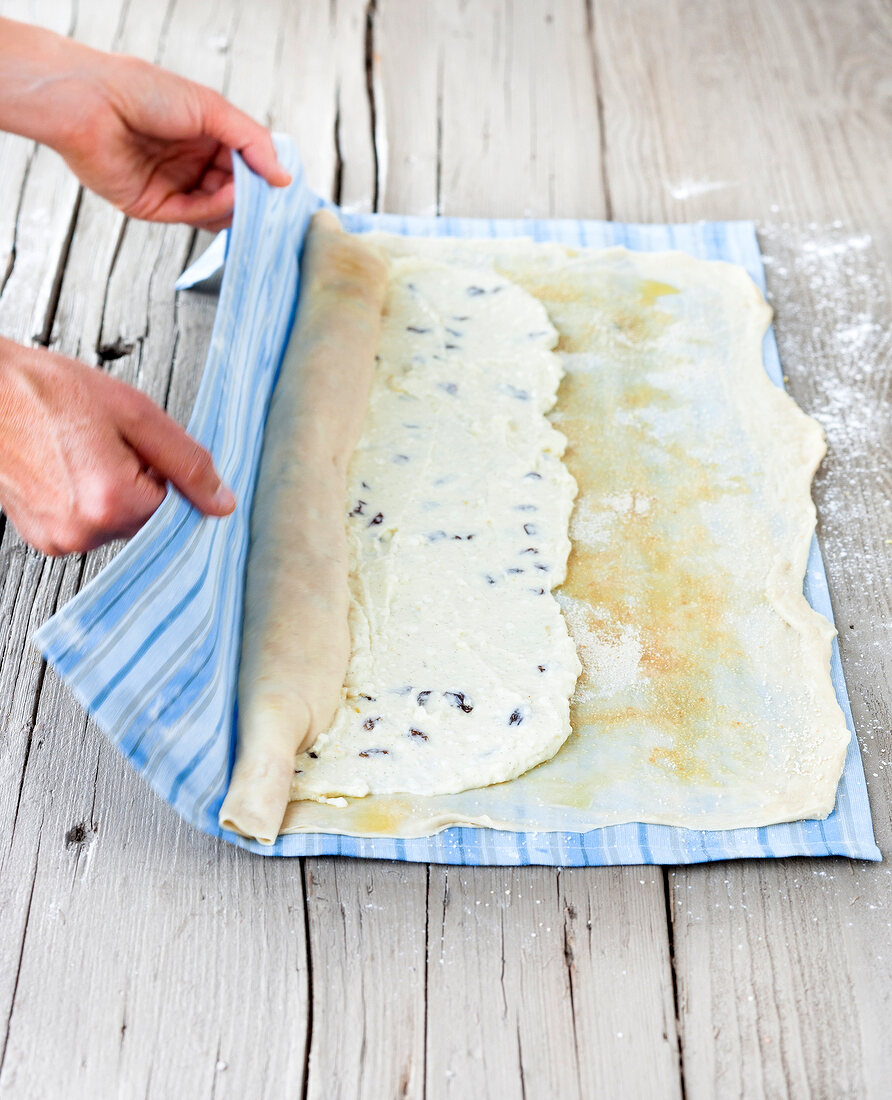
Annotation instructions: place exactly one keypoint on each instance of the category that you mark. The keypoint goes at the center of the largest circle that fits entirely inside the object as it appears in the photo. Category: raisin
(313, 755)
(530, 550)
(513, 569)
(541, 668)
(457, 699)
(375, 520)
(533, 475)
(370, 723)
(541, 566)
(529, 528)
(516, 718)
(357, 511)
(489, 579)
(370, 698)
(538, 591)
(521, 395)
(422, 697)
(415, 328)
(374, 752)
(417, 735)
(451, 347)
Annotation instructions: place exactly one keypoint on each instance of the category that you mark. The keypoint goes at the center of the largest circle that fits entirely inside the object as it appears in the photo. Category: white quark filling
(459, 505)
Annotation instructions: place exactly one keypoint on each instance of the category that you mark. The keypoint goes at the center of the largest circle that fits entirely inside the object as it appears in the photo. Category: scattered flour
(831, 293)
(689, 189)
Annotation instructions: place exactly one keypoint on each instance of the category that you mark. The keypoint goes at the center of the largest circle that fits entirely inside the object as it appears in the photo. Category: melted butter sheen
(458, 512)
(649, 611)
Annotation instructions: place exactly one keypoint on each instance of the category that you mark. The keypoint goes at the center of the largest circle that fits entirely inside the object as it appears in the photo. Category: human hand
(85, 458)
(154, 144)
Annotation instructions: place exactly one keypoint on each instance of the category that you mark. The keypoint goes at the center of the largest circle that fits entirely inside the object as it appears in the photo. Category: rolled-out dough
(295, 639)
(705, 699)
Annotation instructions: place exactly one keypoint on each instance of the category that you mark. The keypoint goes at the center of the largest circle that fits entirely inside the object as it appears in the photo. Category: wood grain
(163, 963)
(501, 992)
(368, 940)
(790, 130)
(549, 982)
(165, 949)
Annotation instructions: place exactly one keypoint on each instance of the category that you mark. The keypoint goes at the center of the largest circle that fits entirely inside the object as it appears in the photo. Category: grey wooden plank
(513, 981)
(321, 98)
(154, 957)
(649, 981)
(503, 115)
(45, 213)
(367, 932)
(406, 47)
(521, 136)
(366, 921)
(774, 111)
(545, 982)
(459, 1007)
(163, 949)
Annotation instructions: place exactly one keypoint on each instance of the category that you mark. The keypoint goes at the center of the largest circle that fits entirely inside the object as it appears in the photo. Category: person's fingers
(197, 207)
(155, 476)
(118, 511)
(213, 180)
(114, 499)
(175, 455)
(215, 226)
(239, 131)
(223, 158)
(147, 493)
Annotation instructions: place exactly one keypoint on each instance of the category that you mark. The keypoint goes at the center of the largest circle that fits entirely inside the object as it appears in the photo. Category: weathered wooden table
(139, 957)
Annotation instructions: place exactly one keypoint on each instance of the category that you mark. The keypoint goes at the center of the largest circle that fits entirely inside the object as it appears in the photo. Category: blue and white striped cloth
(150, 647)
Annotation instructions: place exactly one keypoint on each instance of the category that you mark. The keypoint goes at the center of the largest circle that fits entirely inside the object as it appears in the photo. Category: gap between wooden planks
(537, 999)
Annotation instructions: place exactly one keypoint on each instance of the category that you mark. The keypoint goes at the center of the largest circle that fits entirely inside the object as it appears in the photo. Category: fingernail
(224, 498)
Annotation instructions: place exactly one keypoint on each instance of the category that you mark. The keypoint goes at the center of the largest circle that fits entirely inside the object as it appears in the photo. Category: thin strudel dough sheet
(705, 698)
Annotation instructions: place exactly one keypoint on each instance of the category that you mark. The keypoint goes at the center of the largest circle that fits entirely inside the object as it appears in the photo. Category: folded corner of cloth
(298, 564)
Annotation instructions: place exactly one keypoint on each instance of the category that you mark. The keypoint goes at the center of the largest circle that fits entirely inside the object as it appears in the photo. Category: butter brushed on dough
(295, 638)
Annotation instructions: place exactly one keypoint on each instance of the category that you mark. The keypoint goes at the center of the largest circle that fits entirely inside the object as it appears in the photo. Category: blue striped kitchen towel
(150, 646)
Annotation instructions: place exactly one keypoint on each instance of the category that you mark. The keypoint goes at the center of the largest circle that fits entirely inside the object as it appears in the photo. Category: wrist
(50, 86)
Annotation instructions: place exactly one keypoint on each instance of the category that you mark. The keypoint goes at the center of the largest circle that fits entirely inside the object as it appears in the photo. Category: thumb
(239, 131)
(173, 454)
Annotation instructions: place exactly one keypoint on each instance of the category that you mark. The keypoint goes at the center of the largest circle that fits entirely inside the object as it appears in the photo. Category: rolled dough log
(295, 637)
